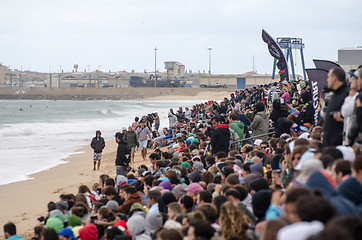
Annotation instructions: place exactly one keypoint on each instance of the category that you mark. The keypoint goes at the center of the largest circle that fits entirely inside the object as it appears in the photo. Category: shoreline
(112, 93)
(23, 202)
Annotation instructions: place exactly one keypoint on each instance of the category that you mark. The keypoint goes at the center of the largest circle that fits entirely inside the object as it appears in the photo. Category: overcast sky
(121, 34)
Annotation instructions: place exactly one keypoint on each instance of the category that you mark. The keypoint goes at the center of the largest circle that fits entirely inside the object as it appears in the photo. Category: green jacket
(238, 127)
(131, 139)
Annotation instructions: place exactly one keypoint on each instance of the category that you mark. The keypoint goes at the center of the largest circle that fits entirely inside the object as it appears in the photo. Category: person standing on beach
(97, 145)
(135, 124)
(123, 152)
(172, 118)
(132, 142)
(143, 132)
(157, 121)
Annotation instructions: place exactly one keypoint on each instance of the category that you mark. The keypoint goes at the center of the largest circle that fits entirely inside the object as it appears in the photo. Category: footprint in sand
(58, 190)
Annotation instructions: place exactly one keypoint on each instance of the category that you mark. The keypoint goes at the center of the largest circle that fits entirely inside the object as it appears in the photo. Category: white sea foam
(38, 138)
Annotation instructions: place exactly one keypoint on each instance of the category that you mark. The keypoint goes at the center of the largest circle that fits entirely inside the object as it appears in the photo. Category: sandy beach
(23, 202)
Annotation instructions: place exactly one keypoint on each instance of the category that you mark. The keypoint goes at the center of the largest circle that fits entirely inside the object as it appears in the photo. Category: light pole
(59, 77)
(89, 76)
(209, 49)
(155, 66)
(99, 69)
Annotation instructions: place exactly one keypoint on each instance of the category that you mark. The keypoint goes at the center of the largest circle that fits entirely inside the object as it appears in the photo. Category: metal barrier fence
(249, 138)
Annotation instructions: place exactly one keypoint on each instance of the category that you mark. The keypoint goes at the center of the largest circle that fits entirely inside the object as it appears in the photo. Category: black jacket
(333, 130)
(306, 115)
(122, 154)
(220, 139)
(98, 144)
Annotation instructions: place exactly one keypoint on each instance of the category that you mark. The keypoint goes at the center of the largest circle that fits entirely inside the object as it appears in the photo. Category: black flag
(325, 64)
(317, 80)
(278, 54)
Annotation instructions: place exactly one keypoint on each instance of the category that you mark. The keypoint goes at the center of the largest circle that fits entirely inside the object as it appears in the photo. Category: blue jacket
(15, 237)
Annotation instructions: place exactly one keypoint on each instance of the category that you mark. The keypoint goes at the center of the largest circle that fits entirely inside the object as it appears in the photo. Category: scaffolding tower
(289, 44)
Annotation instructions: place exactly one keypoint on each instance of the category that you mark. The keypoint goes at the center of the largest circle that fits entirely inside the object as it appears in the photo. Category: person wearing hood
(306, 115)
(319, 181)
(278, 112)
(237, 126)
(97, 145)
(220, 137)
(260, 124)
(123, 152)
(154, 221)
(136, 227)
(274, 93)
(172, 118)
(10, 232)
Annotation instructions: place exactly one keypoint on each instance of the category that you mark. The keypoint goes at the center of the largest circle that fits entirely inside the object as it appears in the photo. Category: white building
(350, 58)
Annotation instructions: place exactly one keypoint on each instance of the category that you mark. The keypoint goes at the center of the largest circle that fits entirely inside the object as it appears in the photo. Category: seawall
(100, 93)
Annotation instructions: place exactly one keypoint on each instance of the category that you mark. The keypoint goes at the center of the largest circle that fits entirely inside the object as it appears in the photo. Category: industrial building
(350, 58)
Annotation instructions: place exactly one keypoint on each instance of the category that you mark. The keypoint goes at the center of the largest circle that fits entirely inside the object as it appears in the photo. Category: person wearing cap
(199, 166)
(66, 234)
(97, 144)
(193, 189)
(122, 159)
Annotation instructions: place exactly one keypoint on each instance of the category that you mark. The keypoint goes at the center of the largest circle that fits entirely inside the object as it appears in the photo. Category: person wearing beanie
(89, 232)
(195, 176)
(166, 185)
(66, 234)
(260, 124)
(113, 205)
(74, 221)
(179, 191)
(136, 207)
(306, 115)
(193, 189)
(97, 145)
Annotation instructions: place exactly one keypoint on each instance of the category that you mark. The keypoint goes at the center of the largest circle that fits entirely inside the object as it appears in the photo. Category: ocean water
(36, 135)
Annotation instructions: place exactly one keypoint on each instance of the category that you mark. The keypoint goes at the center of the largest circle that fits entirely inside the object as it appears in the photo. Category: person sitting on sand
(131, 197)
(97, 145)
(10, 232)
